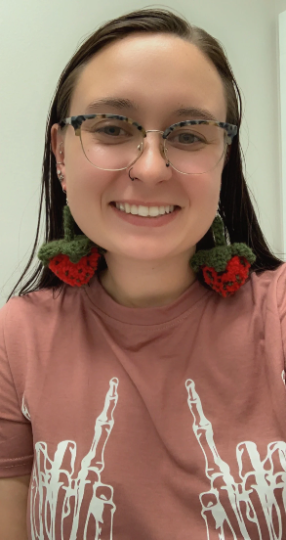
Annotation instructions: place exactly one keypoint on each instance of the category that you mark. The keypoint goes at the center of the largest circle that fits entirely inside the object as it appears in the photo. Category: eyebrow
(121, 103)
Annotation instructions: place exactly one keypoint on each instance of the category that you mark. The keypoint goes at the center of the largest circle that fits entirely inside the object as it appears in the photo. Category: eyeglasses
(113, 142)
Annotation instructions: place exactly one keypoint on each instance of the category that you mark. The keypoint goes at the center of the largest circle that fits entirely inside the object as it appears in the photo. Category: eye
(111, 130)
(108, 131)
(186, 136)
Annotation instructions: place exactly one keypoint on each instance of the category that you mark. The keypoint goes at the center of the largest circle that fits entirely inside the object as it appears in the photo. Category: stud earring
(59, 173)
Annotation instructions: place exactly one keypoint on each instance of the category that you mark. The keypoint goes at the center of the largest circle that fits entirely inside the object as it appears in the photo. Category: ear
(57, 144)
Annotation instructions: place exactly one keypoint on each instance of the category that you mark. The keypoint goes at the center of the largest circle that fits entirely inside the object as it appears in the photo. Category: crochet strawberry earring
(225, 267)
(75, 258)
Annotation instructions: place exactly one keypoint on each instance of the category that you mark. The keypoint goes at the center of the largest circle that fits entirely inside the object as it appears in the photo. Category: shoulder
(264, 292)
(39, 311)
(269, 283)
(31, 304)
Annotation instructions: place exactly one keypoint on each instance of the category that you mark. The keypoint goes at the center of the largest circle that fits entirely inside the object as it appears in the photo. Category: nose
(151, 164)
(161, 141)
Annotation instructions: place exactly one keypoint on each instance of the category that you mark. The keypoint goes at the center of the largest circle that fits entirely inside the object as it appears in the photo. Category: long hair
(235, 208)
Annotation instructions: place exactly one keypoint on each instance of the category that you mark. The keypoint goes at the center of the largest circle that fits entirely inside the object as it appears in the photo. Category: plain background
(37, 39)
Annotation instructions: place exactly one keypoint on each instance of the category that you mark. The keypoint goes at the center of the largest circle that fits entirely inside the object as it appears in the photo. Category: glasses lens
(196, 149)
(110, 143)
(113, 144)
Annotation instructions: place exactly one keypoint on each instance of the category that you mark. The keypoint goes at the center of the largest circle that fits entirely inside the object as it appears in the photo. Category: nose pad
(141, 148)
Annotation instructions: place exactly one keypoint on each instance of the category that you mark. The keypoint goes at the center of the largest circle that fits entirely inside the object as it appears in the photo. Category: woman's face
(160, 74)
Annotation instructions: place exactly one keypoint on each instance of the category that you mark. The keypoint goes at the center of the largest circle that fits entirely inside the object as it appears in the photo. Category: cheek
(87, 190)
(204, 194)
(86, 185)
(204, 191)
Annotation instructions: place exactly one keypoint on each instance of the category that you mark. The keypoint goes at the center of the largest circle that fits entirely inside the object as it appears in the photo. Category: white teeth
(154, 211)
(144, 211)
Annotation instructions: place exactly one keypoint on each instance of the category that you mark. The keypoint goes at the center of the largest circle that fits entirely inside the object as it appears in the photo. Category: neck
(146, 283)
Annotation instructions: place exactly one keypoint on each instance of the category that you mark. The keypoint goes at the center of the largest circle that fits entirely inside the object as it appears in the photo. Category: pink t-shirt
(147, 423)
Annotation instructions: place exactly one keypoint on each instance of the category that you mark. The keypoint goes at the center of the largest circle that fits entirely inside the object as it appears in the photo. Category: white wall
(282, 104)
(37, 39)
(280, 6)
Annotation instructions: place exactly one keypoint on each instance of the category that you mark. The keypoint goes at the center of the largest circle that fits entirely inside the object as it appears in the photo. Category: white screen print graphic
(258, 502)
(55, 491)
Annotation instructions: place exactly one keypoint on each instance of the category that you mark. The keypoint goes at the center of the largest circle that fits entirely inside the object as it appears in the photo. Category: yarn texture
(225, 267)
(74, 259)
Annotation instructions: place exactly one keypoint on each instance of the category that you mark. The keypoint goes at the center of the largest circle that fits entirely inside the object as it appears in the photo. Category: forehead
(158, 72)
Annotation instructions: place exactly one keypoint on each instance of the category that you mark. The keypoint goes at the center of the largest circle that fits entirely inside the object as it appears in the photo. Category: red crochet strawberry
(75, 274)
(225, 267)
(228, 282)
(74, 258)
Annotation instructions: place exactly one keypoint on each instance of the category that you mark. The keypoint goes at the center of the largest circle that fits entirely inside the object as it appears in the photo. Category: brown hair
(236, 207)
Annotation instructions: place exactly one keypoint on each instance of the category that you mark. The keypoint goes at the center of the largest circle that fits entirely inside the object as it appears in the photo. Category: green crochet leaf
(218, 231)
(72, 245)
(219, 256)
(242, 250)
(74, 249)
(216, 257)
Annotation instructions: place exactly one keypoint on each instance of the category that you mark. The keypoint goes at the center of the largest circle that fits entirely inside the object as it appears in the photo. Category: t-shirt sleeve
(16, 440)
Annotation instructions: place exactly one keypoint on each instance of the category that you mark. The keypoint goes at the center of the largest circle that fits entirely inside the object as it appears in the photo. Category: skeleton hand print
(55, 491)
(249, 508)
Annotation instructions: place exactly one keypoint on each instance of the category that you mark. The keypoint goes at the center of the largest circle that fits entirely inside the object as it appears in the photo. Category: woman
(142, 365)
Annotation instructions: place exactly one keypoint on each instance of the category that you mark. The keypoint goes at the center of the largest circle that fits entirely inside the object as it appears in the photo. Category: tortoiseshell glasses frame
(77, 121)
